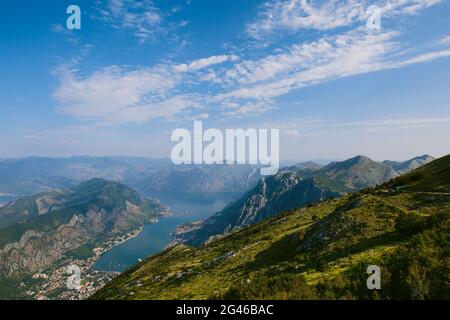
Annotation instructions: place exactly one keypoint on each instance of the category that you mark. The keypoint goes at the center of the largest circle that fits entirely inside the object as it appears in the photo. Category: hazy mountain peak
(358, 159)
(358, 172)
(409, 165)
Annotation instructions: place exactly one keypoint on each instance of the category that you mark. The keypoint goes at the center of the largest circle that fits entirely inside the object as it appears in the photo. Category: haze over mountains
(28, 176)
(213, 178)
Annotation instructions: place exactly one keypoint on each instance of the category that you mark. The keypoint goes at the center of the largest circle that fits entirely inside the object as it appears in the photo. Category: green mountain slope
(318, 252)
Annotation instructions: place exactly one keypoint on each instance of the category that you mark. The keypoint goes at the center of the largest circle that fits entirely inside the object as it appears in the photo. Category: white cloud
(426, 57)
(205, 62)
(414, 6)
(140, 16)
(241, 87)
(296, 57)
(352, 53)
(329, 58)
(294, 15)
(58, 28)
(299, 14)
(117, 95)
(444, 40)
(113, 95)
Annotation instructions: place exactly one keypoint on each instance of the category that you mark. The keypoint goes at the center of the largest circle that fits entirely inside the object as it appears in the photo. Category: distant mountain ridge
(32, 175)
(293, 187)
(208, 178)
(409, 165)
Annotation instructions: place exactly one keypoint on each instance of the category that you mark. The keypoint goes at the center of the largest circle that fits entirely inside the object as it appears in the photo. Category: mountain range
(32, 175)
(295, 187)
(205, 179)
(39, 231)
(321, 251)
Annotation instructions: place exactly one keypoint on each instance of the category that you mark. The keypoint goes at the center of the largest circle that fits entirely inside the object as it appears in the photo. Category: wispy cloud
(114, 95)
(248, 87)
(390, 124)
(307, 126)
(205, 62)
(233, 86)
(299, 14)
(329, 58)
(294, 15)
(443, 41)
(142, 17)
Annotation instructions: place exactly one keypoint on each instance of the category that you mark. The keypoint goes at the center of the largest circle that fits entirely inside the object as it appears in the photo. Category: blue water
(154, 237)
(7, 199)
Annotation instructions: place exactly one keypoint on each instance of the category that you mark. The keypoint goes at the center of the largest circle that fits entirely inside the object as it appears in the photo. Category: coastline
(130, 235)
(52, 284)
(55, 280)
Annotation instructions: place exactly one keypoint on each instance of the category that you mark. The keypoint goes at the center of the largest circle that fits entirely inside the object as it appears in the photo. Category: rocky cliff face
(94, 211)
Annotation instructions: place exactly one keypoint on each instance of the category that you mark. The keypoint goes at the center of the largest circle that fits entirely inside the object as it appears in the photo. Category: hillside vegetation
(317, 252)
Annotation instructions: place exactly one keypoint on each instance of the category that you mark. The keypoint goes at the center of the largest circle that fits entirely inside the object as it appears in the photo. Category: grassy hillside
(318, 252)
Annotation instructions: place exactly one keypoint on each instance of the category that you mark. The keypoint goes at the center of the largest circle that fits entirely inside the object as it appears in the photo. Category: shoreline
(91, 280)
(132, 234)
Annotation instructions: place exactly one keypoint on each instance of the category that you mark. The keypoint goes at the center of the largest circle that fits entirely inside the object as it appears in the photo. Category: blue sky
(137, 70)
